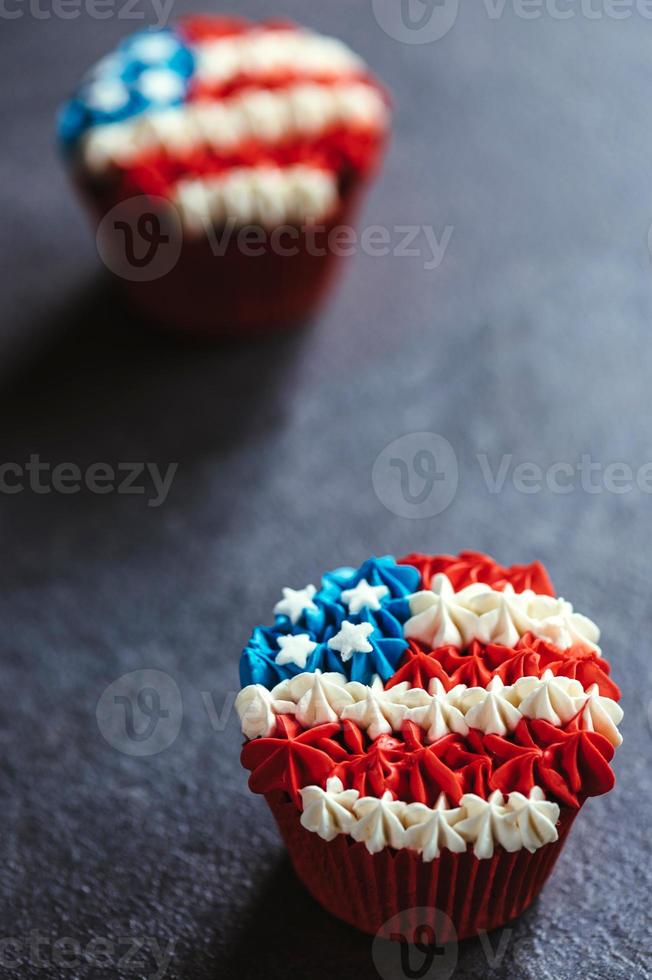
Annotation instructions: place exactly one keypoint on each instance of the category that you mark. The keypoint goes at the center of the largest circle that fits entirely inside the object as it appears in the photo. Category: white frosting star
(602, 715)
(442, 712)
(294, 602)
(257, 709)
(556, 621)
(488, 823)
(160, 85)
(553, 698)
(502, 616)
(364, 594)
(534, 817)
(295, 649)
(429, 831)
(492, 709)
(328, 812)
(352, 638)
(380, 713)
(107, 95)
(324, 701)
(441, 616)
(379, 822)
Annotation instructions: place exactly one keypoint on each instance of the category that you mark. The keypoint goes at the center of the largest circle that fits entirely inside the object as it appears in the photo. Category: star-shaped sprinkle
(364, 594)
(295, 650)
(352, 639)
(295, 601)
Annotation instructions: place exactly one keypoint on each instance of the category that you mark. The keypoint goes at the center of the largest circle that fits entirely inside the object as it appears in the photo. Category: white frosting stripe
(514, 823)
(267, 196)
(317, 699)
(262, 54)
(441, 616)
(269, 117)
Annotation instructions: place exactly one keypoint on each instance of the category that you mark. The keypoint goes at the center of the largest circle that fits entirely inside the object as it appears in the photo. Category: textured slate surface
(530, 138)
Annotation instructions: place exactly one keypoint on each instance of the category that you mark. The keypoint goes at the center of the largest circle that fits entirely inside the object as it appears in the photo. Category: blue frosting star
(374, 594)
(150, 69)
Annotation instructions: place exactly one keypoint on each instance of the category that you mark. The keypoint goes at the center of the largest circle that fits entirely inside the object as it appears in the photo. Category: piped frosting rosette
(432, 704)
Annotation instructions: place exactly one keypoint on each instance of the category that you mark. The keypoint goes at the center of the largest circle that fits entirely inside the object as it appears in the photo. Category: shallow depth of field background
(531, 342)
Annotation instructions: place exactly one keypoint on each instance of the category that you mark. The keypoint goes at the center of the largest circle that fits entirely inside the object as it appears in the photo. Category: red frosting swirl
(473, 566)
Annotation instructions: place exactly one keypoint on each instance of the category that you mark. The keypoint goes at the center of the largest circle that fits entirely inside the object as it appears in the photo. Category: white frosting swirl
(264, 53)
(324, 701)
(383, 711)
(492, 709)
(257, 708)
(379, 822)
(430, 831)
(441, 616)
(602, 715)
(265, 196)
(518, 822)
(442, 713)
(316, 698)
(305, 109)
(328, 812)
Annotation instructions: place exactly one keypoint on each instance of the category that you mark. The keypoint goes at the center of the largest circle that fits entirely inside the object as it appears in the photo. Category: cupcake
(425, 732)
(220, 160)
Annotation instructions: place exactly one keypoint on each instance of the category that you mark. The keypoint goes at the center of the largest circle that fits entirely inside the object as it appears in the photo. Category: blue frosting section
(150, 69)
(258, 663)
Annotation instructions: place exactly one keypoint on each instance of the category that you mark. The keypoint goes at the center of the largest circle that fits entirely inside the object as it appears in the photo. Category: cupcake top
(432, 702)
(263, 122)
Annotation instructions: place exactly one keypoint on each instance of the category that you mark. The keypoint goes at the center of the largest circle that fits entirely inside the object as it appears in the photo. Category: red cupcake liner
(232, 293)
(368, 890)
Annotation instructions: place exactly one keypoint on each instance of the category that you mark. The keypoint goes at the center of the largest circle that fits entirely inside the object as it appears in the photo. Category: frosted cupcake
(224, 154)
(425, 732)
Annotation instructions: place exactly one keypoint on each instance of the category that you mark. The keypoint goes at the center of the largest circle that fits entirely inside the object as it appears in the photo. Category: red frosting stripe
(475, 667)
(198, 28)
(569, 763)
(473, 566)
(566, 763)
(341, 150)
(292, 760)
(205, 89)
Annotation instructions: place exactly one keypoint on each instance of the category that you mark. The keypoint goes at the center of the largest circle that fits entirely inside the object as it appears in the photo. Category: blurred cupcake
(218, 158)
(425, 742)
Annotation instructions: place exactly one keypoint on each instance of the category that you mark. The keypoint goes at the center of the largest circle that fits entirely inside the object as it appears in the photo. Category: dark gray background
(533, 140)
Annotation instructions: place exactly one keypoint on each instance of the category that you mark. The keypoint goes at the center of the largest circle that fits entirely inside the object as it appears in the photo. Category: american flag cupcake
(425, 732)
(220, 158)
